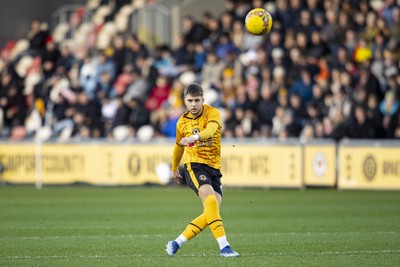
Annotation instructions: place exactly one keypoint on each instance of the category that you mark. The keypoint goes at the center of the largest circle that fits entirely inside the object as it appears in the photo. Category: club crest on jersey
(196, 131)
(203, 177)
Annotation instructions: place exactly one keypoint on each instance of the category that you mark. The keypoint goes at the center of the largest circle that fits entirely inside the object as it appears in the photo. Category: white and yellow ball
(258, 21)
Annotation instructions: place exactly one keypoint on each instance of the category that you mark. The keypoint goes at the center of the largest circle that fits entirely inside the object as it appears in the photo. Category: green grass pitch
(129, 226)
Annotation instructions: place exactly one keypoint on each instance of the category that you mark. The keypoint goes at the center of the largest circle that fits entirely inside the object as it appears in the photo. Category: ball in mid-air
(258, 21)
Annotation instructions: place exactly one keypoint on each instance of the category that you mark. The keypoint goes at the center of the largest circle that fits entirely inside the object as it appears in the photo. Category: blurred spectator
(50, 57)
(340, 106)
(331, 31)
(135, 49)
(169, 128)
(282, 13)
(80, 130)
(193, 31)
(37, 36)
(225, 46)
(123, 81)
(388, 12)
(158, 94)
(104, 86)
(237, 35)
(303, 86)
(307, 133)
(92, 112)
(317, 47)
(389, 104)
(88, 76)
(137, 88)
(266, 106)
(304, 24)
(67, 58)
(200, 56)
(120, 53)
(121, 117)
(359, 125)
(362, 52)
(212, 70)
(298, 108)
(226, 20)
(104, 64)
(139, 115)
(394, 30)
(12, 102)
(313, 113)
(278, 121)
(292, 127)
(394, 126)
(213, 33)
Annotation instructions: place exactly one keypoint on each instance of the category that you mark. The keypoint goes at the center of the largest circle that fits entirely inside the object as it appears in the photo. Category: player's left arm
(214, 122)
(212, 127)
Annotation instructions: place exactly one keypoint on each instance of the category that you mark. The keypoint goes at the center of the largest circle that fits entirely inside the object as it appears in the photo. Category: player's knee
(205, 191)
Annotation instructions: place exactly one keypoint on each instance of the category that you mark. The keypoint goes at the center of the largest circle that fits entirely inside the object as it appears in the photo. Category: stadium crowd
(327, 69)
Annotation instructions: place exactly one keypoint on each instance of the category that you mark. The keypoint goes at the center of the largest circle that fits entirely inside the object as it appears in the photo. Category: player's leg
(211, 201)
(200, 223)
(206, 183)
(192, 229)
(195, 227)
(211, 210)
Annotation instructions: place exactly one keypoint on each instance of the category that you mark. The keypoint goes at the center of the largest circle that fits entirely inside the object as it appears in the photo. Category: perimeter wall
(347, 165)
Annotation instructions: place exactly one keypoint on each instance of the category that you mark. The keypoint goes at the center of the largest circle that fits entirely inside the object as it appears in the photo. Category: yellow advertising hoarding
(319, 165)
(22, 165)
(243, 164)
(132, 164)
(90, 163)
(137, 163)
(261, 165)
(373, 167)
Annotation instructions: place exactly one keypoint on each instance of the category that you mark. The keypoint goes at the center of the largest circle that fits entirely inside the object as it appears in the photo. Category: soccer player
(199, 132)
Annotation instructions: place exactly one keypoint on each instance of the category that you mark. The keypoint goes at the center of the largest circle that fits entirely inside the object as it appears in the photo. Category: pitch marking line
(322, 253)
(167, 235)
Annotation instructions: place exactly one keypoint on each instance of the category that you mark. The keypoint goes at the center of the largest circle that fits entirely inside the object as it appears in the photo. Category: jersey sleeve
(177, 156)
(178, 149)
(214, 116)
(214, 121)
(179, 134)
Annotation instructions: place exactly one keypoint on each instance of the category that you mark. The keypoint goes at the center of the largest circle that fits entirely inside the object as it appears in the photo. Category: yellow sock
(195, 227)
(214, 220)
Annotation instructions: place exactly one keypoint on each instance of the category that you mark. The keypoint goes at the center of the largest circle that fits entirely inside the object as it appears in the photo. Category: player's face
(194, 104)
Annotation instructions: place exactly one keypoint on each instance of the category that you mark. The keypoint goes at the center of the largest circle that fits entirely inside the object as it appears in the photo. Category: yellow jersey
(206, 151)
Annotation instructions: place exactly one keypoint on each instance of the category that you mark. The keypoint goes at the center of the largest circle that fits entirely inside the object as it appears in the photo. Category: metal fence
(152, 24)
(69, 15)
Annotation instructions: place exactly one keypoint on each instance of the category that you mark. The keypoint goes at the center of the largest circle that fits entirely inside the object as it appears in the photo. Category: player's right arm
(177, 155)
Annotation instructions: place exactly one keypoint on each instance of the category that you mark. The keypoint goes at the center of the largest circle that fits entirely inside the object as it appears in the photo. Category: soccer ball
(258, 21)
